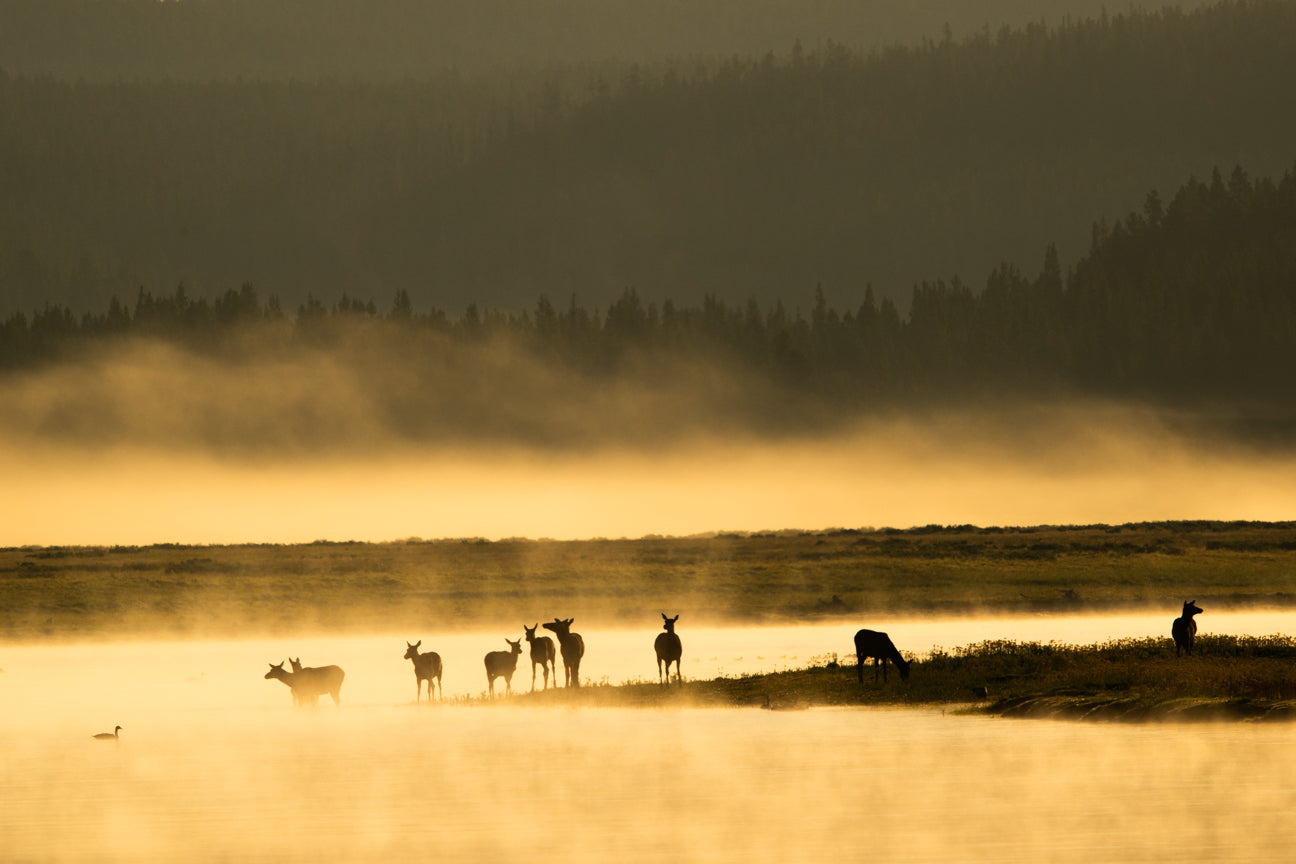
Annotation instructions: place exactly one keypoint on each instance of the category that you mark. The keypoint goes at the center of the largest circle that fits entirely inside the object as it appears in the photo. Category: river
(214, 763)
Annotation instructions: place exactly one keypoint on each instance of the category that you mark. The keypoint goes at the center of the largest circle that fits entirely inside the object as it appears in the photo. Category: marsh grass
(1230, 677)
(774, 577)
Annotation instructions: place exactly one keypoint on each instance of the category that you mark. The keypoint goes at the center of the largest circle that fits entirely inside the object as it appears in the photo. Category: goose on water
(108, 736)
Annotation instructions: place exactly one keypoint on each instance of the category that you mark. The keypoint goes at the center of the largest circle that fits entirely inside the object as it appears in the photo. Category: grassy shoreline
(62, 594)
(1238, 678)
(83, 593)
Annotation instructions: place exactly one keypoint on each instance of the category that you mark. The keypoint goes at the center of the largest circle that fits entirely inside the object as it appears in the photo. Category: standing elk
(871, 643)
(502, 664)
(427, 667)
(669, 649)
(572, 647)
(309, 683)
(1184, 628)
(542, 652)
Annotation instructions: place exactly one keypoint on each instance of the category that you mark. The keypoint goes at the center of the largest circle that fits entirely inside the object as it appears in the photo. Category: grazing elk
(871, 643)
(1184, 628)
(309, 683)
(502, 664)
(542, 652)
(572, 647)
(427, 667)
(669, 649)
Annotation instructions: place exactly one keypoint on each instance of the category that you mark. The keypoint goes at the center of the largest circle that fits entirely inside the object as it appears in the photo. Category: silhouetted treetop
(1190, 300)
(736, 175)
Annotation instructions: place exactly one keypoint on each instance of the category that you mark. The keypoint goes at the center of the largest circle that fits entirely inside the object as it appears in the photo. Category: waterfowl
(108, 736)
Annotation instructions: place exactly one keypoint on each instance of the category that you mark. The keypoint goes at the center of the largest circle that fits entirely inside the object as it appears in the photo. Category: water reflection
(215, 764)
(504, 783)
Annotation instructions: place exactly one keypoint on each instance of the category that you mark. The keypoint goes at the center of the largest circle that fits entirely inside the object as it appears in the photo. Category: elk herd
(308, 683)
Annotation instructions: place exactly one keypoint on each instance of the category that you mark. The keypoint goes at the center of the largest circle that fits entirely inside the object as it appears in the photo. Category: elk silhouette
(1184, 628)
(542, 652)
(427, 667)
(309, 683)
(296, 665)
(502, 664)
(871, 643)
(669, 649)
(572, 647)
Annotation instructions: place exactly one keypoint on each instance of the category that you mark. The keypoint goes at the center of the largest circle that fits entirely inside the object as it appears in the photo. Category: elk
(572, 647)
(426, 668)
(669, 649)
(1184, 628)
(310, 682)
(871, 643)
(502, 664)
(542, 652)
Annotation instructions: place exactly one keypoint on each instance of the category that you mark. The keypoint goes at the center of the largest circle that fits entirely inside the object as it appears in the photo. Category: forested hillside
(753, 176)
(1189, 302)
(390, 40)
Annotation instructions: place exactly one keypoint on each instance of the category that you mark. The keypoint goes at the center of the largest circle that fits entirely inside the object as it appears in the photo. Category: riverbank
(1227, 678)
(784, 577)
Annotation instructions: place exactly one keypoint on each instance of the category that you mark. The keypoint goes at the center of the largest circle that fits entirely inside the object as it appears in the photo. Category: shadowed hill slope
(757, 176)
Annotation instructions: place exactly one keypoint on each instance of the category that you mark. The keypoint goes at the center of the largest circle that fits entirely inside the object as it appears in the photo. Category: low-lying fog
(892, 477)
(155, 445)
(214, 763)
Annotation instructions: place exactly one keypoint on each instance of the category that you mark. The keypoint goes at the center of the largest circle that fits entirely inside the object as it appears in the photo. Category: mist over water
(895, 474)
(214, 762)
(143, 443)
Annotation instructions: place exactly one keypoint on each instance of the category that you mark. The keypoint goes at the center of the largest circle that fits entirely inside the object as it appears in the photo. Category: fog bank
(896, 474)
(151, 445)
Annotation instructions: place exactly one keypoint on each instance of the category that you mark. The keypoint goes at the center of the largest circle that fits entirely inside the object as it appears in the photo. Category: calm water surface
(215, 764)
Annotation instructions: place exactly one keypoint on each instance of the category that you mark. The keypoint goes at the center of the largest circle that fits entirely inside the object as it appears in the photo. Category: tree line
(1189, 300)
(752, 175)
(391, 40)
